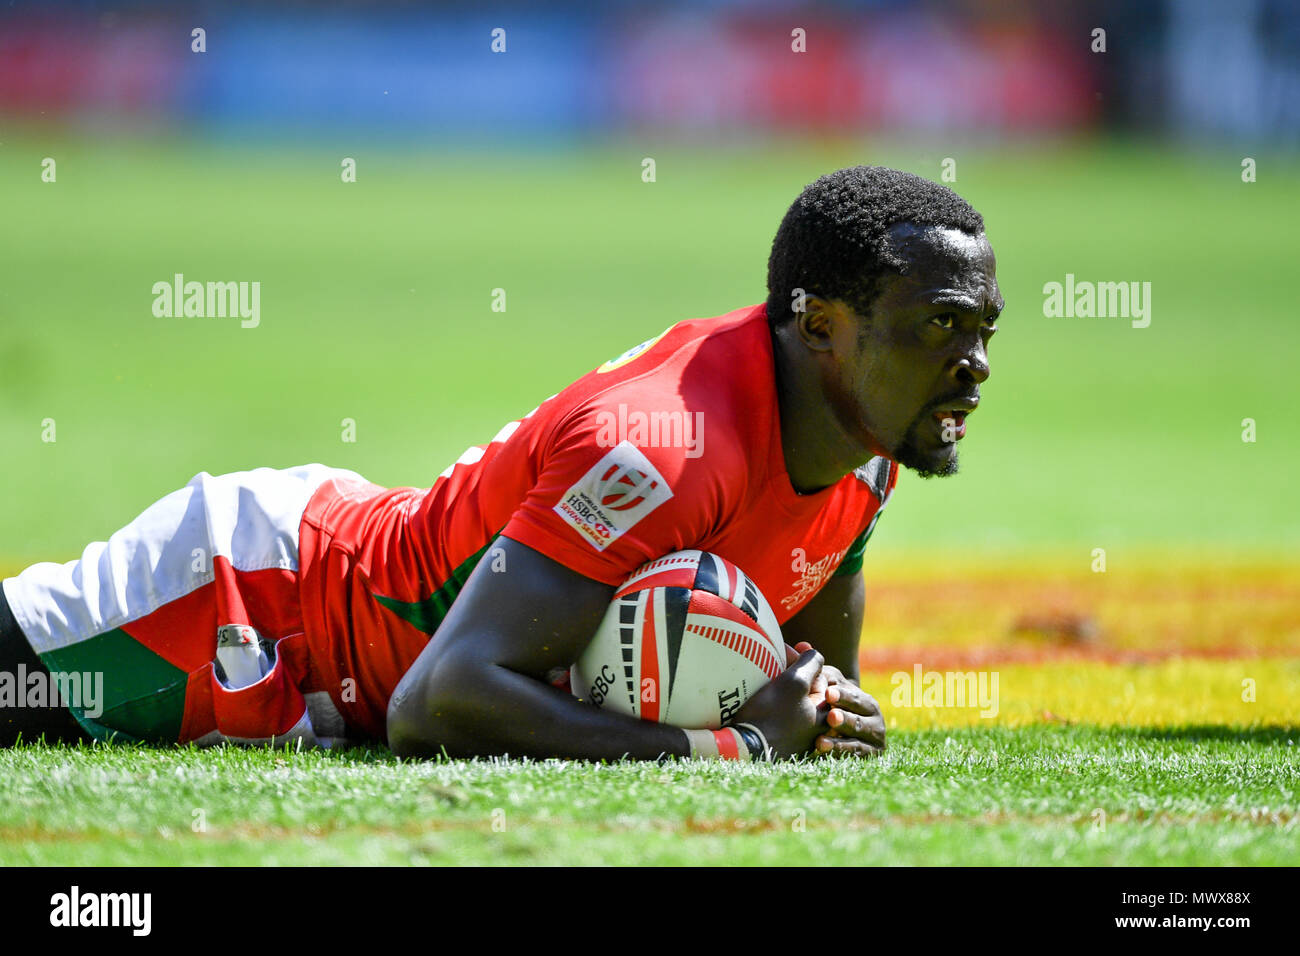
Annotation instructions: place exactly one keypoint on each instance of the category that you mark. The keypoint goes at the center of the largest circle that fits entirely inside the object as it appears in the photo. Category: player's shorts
(131, 631)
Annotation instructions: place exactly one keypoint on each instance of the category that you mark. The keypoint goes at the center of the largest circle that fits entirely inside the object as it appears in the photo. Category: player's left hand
(857, 726)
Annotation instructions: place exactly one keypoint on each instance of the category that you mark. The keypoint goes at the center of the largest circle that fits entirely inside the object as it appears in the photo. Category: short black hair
(831, 242)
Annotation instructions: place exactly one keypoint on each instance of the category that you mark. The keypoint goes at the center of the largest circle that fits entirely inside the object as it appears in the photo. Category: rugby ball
(686, 641)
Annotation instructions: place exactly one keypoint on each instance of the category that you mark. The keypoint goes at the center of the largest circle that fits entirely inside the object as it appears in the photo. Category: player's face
(923, 352)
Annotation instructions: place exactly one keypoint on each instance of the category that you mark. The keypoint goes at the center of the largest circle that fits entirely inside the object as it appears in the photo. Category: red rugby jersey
(675, 444)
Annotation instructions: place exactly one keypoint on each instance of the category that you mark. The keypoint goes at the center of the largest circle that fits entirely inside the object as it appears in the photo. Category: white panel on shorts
(249, 517)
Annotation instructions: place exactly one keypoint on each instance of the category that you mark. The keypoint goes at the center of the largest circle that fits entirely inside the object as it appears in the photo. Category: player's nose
(971, 369)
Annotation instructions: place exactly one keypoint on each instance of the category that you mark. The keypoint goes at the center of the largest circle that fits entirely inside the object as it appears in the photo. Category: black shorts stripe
(56, 723)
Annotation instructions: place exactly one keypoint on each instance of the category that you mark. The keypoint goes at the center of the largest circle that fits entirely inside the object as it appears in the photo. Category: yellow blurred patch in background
(1179, 692)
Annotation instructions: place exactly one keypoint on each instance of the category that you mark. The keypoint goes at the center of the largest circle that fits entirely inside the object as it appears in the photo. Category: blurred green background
(376, 306)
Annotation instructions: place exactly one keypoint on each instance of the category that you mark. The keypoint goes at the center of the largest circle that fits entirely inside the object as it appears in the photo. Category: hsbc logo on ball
(616, 493)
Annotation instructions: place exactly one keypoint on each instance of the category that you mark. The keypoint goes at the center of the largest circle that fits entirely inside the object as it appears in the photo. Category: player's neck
(818, 452)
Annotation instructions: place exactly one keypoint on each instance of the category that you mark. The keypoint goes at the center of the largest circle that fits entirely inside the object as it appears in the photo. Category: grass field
(1046, 795)
(1123, 693)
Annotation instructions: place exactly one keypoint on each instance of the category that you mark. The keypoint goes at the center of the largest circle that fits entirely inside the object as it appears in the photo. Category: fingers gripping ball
(686, 641)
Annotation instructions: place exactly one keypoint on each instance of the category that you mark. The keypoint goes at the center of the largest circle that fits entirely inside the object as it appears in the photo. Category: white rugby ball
(686, 641)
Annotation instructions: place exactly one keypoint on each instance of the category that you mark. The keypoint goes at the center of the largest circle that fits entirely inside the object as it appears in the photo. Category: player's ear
(813, 324)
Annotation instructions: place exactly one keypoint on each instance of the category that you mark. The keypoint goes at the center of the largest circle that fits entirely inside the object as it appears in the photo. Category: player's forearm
(489, 710)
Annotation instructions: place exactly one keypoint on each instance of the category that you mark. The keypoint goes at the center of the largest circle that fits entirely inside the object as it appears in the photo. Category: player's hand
(857, 728)
(786, 709)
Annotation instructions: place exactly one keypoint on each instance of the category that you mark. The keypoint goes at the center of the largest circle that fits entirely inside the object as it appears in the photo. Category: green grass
(376, 307)
(959, 797)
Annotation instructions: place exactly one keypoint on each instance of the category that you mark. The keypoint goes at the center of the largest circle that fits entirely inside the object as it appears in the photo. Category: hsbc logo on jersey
(616, 493)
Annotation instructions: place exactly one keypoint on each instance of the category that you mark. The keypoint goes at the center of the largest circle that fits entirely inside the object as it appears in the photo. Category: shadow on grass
(1051, 735)
(360, 753)
(1057, 733)
(1204, 732)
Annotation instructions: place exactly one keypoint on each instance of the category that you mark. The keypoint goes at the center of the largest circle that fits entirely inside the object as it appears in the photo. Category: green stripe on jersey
(428, 614)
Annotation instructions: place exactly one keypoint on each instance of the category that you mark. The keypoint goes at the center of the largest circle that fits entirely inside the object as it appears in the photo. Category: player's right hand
(787, 710)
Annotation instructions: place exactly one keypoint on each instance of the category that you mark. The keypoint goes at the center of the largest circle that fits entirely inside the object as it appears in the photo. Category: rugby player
(310, 604)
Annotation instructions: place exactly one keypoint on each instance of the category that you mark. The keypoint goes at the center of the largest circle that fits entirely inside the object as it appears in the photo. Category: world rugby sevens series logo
(621, 488)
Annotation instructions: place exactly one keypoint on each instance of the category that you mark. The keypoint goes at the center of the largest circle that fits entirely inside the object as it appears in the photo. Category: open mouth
(952, 423)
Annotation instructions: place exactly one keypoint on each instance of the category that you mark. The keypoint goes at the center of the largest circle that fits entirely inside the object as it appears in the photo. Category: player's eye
(946, 321)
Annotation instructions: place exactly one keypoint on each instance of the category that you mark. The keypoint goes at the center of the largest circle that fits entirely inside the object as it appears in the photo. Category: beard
(919, 455)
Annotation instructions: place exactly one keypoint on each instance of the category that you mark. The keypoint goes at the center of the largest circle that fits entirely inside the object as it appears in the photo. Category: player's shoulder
(720, 367)
(690, 347)
(713, 374)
